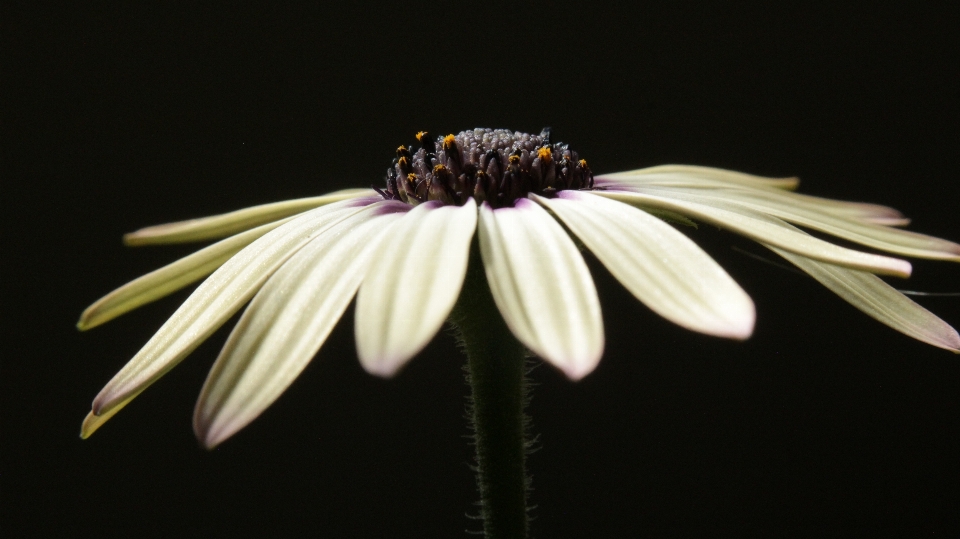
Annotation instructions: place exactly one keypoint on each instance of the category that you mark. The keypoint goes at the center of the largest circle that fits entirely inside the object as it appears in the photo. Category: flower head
(403, 252)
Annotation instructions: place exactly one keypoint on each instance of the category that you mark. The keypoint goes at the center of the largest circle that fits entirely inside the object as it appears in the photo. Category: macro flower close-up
(648, 270)
(529, 201)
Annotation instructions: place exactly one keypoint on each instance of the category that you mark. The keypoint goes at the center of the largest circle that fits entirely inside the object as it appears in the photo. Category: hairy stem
(496, 368)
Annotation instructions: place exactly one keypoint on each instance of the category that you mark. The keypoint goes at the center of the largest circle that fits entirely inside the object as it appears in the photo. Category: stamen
(491, 165)
(424, 140)
(449, 141)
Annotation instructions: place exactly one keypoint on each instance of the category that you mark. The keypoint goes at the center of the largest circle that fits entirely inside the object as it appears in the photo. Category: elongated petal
(542, 286)
(286, 324)
(872, 213)
(227, 224)
(881, 301)
(170, 278)
(413, 285)
(893, 240)
(759, 227)
(215, 300)
(661, 267)
(693, 176)
(864, 211)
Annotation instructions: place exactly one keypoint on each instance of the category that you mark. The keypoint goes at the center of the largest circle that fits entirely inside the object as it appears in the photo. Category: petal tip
(136, 239)
(88, 318)
(577, 365)
(211, 433)
(953, 341)
(209, 441)
(576, 372)
(94, 421)
(383, 366)
(742, 327)
(90, 425)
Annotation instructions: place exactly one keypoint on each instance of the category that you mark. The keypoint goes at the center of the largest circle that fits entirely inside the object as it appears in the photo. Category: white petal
(762, 189)
(901, 242)
(661, 267)
(170, 278)
(215, 300)
(286, 324)
(413, 285)
(542, 286)
(227, 224)
(881, 301)
(762, 228)
(694, 176)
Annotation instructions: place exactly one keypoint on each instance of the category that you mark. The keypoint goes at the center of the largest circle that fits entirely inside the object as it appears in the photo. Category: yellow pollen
(411, 177)
(514, 158)
(545, 154)
(421, 135)
(439, 168)
(403, 161)
(449, 141)
(402, 148)
(583, 163)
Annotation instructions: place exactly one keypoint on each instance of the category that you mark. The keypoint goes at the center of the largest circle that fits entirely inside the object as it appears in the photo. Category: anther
(444, 176)
(441, 186)
(424, 139)
(403, 163)
(586, 176)
(449, 142)
(542, 170)
(409, 188)
(545, 154)
(452, 152)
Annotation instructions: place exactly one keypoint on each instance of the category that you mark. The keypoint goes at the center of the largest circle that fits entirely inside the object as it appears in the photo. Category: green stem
(496, 368)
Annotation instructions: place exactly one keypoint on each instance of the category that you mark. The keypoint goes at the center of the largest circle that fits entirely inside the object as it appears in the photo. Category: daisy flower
(403, 251)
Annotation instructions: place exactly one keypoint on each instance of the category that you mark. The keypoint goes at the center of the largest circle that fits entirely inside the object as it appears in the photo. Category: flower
(403, 252)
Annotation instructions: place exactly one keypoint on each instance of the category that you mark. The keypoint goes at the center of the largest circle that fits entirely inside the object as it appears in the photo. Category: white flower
(403, 253)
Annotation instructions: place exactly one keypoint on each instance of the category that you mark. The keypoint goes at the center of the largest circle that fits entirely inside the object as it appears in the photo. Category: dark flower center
(493, 165)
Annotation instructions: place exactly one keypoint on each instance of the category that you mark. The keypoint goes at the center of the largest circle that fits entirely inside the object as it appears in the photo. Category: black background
(824, 423)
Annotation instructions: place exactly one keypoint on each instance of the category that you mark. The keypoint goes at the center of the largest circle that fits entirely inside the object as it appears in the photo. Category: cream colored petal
(881, 301)
(661, 267)
(93, 422)
(170, 278)
(286, 324)
(694, 176)
(892, 240)
(227, 224)
(413, 285)
(542, 286)
(863, 211)
(215, 300)
(759, 227)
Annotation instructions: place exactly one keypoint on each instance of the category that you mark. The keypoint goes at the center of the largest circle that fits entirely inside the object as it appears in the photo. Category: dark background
(824, 423)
